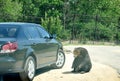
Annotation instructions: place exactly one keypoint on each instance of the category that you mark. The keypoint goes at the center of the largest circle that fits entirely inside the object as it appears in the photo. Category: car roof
(17, 23)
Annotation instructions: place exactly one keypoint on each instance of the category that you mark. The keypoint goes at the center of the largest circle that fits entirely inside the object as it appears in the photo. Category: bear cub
(82, 62)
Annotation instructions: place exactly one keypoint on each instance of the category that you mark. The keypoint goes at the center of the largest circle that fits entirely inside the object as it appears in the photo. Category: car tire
(29, 68)
(60, 60)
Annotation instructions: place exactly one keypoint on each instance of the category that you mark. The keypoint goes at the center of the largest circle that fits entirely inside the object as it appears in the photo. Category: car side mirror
(53, 36)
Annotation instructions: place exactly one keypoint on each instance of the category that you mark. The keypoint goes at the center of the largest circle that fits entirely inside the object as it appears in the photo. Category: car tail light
(9, 47)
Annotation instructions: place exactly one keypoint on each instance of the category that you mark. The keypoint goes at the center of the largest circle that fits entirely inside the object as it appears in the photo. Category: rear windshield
(8, 32)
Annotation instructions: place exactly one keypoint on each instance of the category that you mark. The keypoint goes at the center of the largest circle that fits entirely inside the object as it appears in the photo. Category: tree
(101, 14)
(83, 19)
(10, 10)
(30, 11)
(54, 26)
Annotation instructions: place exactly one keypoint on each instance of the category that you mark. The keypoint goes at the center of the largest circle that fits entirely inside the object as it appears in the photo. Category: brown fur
(76, 52)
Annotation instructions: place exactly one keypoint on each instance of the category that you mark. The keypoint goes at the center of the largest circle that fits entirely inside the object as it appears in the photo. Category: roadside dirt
(99, 72)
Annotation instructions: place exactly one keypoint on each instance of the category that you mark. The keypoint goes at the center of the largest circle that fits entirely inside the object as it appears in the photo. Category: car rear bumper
(10, 65)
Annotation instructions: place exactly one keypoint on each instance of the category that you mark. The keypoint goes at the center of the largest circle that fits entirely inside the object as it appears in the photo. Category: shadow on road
(67, 72)
(15, 77)
(43, 70)
(10, 77)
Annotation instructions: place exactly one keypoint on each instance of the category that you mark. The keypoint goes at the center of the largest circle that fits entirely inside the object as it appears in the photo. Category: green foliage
(54, 26)
(69, 19)
(10, 10)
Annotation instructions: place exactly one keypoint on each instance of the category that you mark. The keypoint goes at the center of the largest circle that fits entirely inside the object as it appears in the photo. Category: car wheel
(60, 60)
(29, 68)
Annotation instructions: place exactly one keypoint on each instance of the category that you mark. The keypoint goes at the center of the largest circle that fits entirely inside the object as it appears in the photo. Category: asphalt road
(102, 58)
(109, 55)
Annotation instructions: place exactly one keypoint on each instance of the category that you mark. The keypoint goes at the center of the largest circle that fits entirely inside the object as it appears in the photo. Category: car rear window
(8, 32)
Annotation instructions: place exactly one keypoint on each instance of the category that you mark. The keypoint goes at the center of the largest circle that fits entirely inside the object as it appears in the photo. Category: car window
(43, 33)
(32, 33)
(8, 32)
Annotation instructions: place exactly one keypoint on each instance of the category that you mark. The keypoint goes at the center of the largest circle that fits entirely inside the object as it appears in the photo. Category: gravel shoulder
(99, 72)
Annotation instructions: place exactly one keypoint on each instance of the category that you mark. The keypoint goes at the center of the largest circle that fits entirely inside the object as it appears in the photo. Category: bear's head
(76, 52)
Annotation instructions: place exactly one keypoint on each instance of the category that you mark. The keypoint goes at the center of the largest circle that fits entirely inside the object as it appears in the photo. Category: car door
(49, 46)
(35, 43)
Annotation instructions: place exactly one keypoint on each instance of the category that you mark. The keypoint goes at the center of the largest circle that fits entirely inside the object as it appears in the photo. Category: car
(26, 47)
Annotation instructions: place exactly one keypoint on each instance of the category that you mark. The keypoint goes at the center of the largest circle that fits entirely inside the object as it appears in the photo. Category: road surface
(104, 59)
(109, 55)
